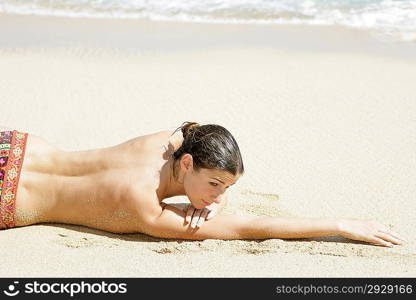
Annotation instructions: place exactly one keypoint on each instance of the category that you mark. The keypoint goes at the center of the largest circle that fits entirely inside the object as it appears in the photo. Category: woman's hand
(369, 231)
(197, 217)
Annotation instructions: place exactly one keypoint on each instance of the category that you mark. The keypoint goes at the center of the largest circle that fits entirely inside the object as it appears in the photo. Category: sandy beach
(325, 118)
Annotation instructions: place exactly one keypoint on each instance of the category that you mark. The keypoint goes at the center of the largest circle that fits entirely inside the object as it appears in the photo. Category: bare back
(110, 188)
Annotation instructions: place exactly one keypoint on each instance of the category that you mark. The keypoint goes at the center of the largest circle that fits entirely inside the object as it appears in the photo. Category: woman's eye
(214, 184)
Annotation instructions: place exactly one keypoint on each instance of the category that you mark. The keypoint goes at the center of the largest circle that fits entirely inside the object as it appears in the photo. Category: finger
(388, 230)
(387, 237)
(202, 218)
(195, 217)
(394, 234)
(381, 242)
(189, 214)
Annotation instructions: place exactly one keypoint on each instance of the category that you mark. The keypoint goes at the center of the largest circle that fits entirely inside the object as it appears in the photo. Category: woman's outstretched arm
(171, 224)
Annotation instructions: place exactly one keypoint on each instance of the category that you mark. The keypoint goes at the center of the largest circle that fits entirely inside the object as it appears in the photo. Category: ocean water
(390, 18)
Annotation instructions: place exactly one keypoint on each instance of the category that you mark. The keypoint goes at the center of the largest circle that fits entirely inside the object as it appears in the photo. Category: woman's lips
(206, 203)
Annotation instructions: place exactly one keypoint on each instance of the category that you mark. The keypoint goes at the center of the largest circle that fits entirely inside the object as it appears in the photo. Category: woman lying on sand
(120, 189)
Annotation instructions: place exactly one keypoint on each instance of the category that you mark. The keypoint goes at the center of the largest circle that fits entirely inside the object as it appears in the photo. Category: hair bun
(188, 128)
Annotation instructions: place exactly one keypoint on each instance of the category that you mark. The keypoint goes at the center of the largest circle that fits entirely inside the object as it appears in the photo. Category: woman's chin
(199, 204)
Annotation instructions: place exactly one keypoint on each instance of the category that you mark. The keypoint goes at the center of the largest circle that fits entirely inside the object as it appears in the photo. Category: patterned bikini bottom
(12, 152)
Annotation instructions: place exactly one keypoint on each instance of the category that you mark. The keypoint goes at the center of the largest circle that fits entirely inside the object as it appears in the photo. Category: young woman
(120, 189)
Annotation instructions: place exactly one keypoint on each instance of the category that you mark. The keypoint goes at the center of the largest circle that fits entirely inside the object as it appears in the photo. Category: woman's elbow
(157, 230)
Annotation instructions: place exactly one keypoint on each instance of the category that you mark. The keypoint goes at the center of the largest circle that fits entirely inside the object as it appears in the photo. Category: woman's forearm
(290, 227)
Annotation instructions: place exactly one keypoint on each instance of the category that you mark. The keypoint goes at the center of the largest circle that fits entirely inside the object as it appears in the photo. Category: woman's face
(206, 186)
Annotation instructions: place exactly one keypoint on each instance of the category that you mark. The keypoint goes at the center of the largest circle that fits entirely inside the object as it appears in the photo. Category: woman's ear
(187, 161)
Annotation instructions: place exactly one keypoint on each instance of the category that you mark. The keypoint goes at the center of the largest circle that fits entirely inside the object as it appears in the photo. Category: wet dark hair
(211, 146)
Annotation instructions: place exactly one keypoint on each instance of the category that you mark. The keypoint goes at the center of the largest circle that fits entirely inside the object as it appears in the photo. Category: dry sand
(325, 118)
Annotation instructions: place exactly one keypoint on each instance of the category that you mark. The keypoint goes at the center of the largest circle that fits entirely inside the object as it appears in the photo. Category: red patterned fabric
(12, 152)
